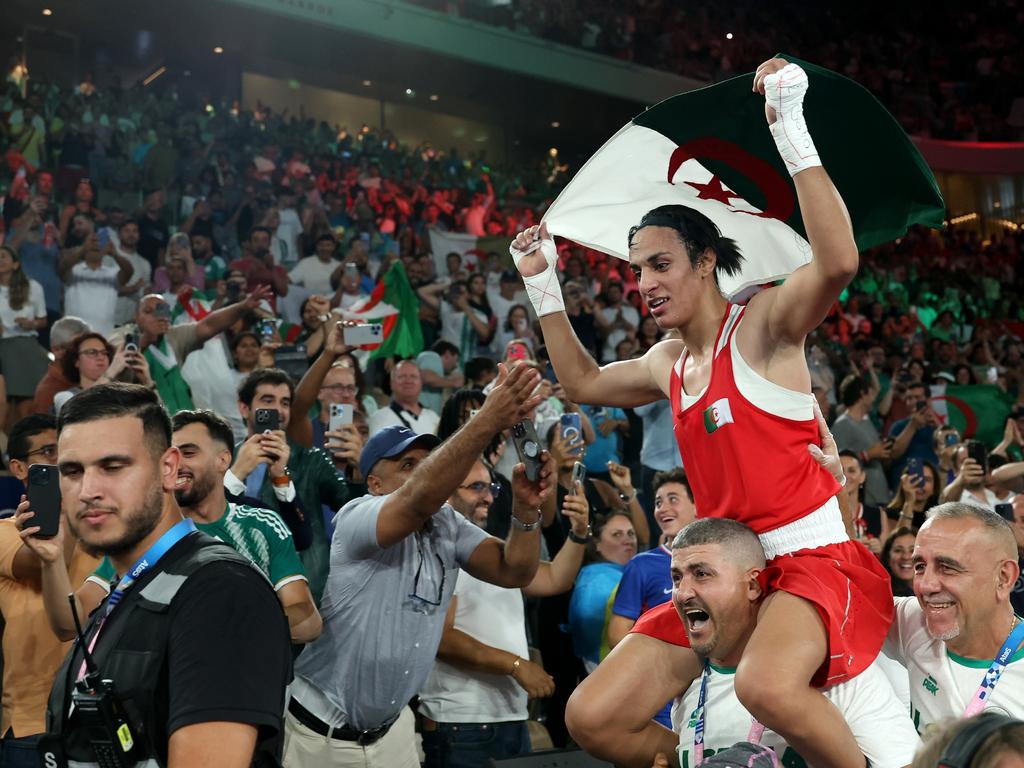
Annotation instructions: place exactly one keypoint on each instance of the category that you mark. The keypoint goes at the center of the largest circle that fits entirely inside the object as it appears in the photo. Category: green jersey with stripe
(257, 533)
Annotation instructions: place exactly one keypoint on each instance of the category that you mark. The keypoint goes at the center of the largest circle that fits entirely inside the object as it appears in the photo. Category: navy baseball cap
(390, 442)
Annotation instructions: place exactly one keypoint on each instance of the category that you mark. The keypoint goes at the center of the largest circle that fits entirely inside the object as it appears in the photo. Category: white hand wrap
(784, 92)
(544, 291)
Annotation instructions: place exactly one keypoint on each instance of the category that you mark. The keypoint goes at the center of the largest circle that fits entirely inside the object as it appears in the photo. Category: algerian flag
(718, 414)
(471, 248)
(976, 410)
(394, 305)
(711, 150)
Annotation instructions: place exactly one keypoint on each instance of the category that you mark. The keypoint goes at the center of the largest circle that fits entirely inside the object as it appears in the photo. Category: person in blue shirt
(913, 436)
(609, 424)
(647, 580)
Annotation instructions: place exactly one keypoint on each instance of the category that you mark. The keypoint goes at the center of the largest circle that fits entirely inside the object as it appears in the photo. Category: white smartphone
(367, 333)
(341, 414)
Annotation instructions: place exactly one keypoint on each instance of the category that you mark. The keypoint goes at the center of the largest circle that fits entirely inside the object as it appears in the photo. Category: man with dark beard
(205, 440)
(192, 639)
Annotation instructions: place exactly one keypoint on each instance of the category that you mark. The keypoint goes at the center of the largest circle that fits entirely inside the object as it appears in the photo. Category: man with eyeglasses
(474, 704)
(394, 558)
(32, 654)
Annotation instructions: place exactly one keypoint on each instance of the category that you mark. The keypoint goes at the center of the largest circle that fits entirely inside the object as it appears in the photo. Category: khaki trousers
(304, 748)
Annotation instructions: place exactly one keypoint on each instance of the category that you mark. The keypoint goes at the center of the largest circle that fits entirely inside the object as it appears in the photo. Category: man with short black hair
(439, 369)
(128, 296)
(480, 371)
(257, 264)
(854, 431)
(183, 633)
(270, 467)
(314, 272)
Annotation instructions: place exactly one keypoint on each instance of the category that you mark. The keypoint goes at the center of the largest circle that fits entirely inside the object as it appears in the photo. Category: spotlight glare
(47, 12)
(555, 124)
(434, 97)
(218, 49)
(728, 35)
(367, 83)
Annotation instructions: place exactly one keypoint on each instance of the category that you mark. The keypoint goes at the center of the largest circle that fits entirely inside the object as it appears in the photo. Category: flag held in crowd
(710, 149)
(394, 305)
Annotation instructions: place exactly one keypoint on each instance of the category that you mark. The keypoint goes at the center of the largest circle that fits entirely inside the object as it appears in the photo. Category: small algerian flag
(394, 304)
(711, 150)
(718, 414)
(470, 247)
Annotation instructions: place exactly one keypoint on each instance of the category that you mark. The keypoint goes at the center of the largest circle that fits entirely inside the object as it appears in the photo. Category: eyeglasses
(481, 488)
(49, 451)
(415, 596)
(93, 353)
(349, 388)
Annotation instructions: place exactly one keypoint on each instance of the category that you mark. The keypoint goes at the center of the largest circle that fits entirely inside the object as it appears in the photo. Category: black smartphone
(1005, 511)
(267, 420)
(130, 344)
(43, 493)
(915, 469)
(920, 405)
(524, 437)
(976, 450)
(234, 290)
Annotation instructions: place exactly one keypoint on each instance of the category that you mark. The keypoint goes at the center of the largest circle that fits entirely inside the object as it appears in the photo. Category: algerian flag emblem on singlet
(718, 414)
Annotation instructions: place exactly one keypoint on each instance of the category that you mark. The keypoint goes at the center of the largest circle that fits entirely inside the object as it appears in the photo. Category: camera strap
(753, 736)
(995, 671)
(149, 558)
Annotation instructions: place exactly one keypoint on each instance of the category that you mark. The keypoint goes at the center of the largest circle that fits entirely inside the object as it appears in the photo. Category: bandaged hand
(536, 258)
(784, 86)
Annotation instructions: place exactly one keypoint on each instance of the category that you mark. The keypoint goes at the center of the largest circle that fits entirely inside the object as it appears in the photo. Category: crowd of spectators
(147, 243)
(953, 72)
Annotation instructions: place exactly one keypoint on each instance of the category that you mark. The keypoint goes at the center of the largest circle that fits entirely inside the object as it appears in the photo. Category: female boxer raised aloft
(743, 414)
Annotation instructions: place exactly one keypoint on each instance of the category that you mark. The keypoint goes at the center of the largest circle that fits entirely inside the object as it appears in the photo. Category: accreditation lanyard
(753, 736)
(995, 671)
(149, 558)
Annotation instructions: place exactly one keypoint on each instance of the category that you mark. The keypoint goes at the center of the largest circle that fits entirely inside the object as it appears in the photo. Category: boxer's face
(669, 284)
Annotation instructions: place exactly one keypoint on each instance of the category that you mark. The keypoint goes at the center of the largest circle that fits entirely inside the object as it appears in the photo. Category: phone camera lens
(530, 449)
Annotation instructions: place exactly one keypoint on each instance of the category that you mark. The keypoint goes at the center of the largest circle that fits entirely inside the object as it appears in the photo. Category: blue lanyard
(995, 671)
(150, 558)
(753, 735)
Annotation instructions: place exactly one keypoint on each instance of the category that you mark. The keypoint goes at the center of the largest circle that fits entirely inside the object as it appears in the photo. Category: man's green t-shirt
(259, 534)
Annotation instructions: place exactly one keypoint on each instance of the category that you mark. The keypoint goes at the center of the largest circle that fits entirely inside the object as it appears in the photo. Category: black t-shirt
(228, 650)
(153, 236)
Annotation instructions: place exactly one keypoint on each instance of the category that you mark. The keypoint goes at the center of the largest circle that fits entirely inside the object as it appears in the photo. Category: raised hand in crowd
(345, 445)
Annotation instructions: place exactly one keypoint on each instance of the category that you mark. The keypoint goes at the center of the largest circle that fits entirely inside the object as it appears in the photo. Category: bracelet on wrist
(523, 526)
(282, 481)
(628, 499)
(515, 666)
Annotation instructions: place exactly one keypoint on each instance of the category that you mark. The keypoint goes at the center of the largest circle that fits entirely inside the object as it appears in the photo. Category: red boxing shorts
(848, 586)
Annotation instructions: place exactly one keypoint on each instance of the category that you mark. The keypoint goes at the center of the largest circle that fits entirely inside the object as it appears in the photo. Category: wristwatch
(626, 498)
(283, 480)
(527, 526)
(580, 539)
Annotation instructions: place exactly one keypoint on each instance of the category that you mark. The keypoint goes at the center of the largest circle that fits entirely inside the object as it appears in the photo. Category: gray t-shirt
(857, 436)
(383, 612)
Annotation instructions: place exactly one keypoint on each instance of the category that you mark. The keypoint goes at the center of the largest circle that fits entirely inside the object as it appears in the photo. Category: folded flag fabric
(395, 306)
(711, 149)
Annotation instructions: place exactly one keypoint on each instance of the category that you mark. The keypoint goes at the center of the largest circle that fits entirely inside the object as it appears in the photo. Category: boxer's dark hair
(696, 232)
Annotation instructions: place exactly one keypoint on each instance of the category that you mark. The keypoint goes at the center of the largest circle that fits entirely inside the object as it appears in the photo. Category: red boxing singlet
(743, 462)
(747, 464)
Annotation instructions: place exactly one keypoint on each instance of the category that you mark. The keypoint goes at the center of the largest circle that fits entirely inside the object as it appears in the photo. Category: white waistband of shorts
(821, 527)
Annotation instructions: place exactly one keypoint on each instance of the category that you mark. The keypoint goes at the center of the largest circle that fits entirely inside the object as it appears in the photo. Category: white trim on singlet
(767, 395)
(759, 391)
(686, 400)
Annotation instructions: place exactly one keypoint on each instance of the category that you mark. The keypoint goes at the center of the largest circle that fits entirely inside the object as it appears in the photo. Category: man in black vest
(192, 637)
